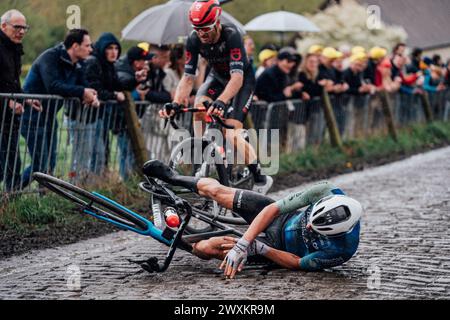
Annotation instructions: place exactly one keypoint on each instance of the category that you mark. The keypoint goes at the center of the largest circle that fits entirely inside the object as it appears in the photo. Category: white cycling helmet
(334, 215)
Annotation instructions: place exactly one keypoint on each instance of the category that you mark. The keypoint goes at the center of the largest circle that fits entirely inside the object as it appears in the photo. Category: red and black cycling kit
(225, 57)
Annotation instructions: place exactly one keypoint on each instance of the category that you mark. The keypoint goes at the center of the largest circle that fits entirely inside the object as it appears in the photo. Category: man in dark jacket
(90, 126)
(272, 84)
(57, 71)
(132, 70)
(157, 93)
(13, 30)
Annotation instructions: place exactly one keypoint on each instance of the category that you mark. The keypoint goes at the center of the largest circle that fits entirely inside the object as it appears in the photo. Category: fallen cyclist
(310, 230)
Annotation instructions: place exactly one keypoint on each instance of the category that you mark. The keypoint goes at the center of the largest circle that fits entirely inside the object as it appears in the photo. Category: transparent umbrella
(282, 22)
(167, 23)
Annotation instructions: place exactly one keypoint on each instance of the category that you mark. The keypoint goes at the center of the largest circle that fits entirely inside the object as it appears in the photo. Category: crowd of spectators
(99, 74)
(357, 71)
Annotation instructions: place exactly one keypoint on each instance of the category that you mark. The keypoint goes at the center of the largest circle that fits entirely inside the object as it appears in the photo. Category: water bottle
(157, 219)
(172, 218)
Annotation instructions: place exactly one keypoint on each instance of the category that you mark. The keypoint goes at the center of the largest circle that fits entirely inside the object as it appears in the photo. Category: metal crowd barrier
(77, 142)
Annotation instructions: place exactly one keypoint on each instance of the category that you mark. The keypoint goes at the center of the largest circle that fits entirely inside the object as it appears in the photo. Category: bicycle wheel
(182, 161)
(92, 204)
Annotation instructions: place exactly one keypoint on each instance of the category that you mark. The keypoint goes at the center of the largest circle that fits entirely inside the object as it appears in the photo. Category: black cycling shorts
(238, 110)
(249, 204)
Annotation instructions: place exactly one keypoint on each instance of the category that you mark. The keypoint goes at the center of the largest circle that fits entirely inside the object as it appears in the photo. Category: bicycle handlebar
(183, 109)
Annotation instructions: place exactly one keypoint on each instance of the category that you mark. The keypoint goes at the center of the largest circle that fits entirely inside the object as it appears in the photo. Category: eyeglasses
(206, 29)
(18, 28)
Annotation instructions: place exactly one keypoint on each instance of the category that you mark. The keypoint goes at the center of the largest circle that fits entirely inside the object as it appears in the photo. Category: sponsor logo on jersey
(188, 56)
(236, 54)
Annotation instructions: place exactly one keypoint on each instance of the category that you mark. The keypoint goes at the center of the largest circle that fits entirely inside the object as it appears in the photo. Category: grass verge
(322, 161)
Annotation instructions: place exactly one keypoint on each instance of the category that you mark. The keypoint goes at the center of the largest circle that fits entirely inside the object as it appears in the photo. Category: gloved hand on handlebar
(217, 108)
(169, 110)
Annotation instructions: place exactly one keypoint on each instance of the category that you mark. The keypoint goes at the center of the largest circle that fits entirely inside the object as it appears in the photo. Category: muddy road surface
(404, 252)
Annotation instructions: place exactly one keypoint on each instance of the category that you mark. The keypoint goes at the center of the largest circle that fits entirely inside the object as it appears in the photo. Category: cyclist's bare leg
(242, 147)
(198, 117)
(212, 189)
(218, 247)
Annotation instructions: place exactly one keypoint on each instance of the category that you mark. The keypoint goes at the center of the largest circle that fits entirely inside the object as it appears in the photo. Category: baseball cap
(137, 53)
(358, 49)
(377, 53)
(289, 53)
(267, 54)
(315, 49)
(331, 53)
(359, 56)
(144, 46)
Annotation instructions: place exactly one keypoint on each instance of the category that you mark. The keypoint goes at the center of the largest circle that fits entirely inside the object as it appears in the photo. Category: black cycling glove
(169, 107)
(218, 105)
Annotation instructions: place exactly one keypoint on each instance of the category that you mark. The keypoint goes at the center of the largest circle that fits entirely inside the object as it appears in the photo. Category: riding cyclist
(229, 86)
(310, 230)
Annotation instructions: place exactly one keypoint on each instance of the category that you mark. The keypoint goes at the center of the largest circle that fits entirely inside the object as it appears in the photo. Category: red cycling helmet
(205, 13)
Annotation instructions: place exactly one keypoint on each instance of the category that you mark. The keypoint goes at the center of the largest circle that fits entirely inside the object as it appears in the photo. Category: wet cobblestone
(404, 252)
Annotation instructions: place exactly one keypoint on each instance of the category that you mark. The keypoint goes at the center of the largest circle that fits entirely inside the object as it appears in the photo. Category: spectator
(447, 74)
(383, 79)
(91, 139)
(346, 50)
(416, 58)
(293, 75)
(338, 66)
(426, 63)
(267, 59)
(154, 88)
(13, 30)
(131, 71)
(175, 70)
(309, 76)
(399, 49)
(408, 81)
(437, 60)
(249, 45)
(326, 70)
(354, 76)
(131, 68)
(272, 85)
(57, 71)
(376, 55)
(434, 80)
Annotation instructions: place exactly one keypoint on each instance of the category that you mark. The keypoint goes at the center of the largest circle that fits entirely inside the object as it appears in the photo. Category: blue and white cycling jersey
(317, 252)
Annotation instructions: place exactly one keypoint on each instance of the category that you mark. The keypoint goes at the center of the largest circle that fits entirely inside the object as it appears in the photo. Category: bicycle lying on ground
(162, 200)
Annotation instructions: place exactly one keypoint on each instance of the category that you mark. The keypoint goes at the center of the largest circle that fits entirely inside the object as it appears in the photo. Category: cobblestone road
(404, 252)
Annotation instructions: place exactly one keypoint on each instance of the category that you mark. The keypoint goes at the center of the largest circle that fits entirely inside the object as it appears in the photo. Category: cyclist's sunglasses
(18, 28)
(206, 29)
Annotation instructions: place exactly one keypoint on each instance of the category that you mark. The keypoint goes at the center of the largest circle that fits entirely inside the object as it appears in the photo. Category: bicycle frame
(213, 122)
(168, 236)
